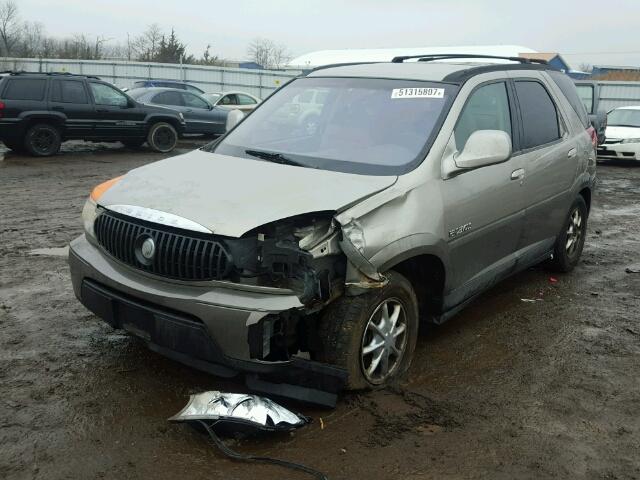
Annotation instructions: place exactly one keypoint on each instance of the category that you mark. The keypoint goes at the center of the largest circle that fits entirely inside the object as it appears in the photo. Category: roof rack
(452, 56)
(66, 74)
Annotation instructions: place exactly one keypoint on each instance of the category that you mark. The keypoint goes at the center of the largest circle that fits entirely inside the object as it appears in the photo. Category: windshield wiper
(275, 158)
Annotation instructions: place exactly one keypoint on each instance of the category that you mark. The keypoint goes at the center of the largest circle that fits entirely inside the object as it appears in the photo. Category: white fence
(618, 94)
(122, 73)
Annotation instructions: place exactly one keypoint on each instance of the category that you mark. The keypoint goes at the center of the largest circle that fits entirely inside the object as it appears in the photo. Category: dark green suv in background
(39, 111)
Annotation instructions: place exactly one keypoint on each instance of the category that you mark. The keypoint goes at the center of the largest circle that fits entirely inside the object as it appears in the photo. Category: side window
(585, 92)
(193, 101)
(246, 100)
(486, 109)
(539, 116)
(69, 91)
(25, 89)
(229, 100)
(169, 98)
(568, 89)
(106, 95)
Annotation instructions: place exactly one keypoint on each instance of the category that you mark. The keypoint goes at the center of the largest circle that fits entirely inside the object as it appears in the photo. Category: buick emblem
(148, 248)
(145, 249)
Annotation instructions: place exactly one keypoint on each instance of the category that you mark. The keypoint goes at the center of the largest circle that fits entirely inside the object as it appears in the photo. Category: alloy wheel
(384, 341)
(575, 231)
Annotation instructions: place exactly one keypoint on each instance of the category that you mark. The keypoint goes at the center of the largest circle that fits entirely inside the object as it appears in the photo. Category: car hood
(613, 132)
(230, 196)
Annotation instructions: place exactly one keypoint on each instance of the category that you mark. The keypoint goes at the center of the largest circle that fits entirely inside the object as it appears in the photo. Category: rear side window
(486, 109)
(25, 89)
(68, 91)
(539, 116)
(246, 100)
(569, 90)
(168, 98)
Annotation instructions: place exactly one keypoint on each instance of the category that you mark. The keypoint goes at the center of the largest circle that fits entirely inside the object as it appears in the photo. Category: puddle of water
(52, 252)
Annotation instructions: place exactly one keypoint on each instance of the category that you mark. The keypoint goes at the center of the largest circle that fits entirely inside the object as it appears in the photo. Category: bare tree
(586, 67)
(267, 53)
(147, 45)
(31, 41)
(9, 26)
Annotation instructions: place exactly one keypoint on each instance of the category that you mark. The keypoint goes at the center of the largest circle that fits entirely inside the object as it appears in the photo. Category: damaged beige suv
(305, 255)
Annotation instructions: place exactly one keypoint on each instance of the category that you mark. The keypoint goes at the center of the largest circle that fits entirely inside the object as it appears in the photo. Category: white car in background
(622, 134)
(242, 101)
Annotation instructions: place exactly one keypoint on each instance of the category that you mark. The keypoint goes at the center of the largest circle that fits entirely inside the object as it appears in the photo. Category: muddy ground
(507, 389)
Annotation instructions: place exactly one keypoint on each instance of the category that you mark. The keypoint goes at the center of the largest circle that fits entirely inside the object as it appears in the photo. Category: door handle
(517, 174)
(58, 109)
(572, 153)
(102, 110)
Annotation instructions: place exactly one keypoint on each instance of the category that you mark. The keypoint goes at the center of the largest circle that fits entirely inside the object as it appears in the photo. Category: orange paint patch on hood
(103, 187)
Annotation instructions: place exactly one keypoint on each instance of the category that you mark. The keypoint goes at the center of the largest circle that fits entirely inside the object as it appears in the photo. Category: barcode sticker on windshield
(417, 93)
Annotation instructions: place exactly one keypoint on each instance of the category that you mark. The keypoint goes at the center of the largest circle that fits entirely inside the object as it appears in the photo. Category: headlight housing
(90, 209)
(89, 214)
(631, 140)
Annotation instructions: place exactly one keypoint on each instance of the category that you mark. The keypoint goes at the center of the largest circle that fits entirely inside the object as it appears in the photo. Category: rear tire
(42, 140)
(360, 334)
(570, 242)
(162, 137)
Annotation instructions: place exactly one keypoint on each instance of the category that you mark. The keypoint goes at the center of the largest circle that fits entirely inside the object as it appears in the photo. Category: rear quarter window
(568, 88)
(24, 89)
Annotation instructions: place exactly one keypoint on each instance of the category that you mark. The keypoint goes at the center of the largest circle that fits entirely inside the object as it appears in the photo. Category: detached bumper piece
(184, 338)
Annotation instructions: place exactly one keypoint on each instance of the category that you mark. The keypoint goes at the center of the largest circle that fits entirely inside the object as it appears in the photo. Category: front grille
(179, 254)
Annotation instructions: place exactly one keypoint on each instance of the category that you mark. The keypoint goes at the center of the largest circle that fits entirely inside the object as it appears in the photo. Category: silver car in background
(309, 256)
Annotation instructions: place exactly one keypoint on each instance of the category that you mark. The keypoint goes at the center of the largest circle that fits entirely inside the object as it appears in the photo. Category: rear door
(20, 94)
(485, 206)
(71, 98)
(116, 117)
(550, 154)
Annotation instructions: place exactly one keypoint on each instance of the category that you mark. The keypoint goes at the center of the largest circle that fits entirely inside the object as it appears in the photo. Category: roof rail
(447, 56)
(66, 74)
(345, 64)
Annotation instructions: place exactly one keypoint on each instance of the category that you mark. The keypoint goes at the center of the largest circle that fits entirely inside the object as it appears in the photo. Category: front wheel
(570, 242)
(162, 137)
(373, 336)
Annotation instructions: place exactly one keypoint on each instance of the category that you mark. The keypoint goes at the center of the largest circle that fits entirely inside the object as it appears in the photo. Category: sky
(583, 31)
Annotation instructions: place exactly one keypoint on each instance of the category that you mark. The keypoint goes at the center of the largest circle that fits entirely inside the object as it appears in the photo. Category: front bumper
(202, 326)
(621, 151)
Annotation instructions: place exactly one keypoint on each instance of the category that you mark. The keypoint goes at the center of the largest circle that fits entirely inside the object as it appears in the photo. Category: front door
(117, 117)
(201, 117)
(485, 206)
(71, 99)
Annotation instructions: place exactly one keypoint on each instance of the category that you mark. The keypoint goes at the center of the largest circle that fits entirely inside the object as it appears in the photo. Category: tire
(570, 242)
(347, 326)
(42, 140)
(162, 137)
(133, 143)
(14, 145)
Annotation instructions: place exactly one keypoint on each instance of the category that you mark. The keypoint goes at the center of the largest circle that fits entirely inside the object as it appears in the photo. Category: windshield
(358, 125)
(212, 97)
(623, 118)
